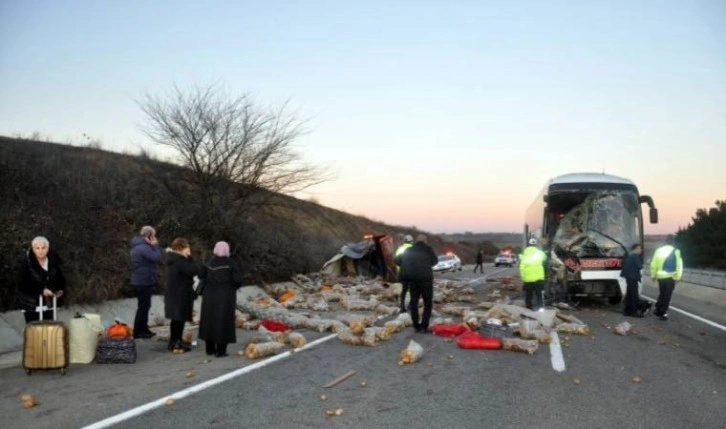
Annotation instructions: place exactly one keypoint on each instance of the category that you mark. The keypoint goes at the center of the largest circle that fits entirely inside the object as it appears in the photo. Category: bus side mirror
(653, 215)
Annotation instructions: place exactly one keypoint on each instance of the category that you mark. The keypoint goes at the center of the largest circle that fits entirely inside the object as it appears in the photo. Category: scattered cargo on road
(352, 306)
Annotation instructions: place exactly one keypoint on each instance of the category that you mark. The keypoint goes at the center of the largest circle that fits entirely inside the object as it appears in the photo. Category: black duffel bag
(116, 351)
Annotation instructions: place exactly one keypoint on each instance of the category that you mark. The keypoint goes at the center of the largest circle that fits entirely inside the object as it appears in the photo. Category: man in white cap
(417, 268)
(531, 269)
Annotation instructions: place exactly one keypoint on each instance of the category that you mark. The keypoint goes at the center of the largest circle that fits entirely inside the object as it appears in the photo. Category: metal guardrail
(710, 278)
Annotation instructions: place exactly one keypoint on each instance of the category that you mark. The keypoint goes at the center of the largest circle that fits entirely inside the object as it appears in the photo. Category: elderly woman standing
(179, 297)
(222, 278)
(40, 274)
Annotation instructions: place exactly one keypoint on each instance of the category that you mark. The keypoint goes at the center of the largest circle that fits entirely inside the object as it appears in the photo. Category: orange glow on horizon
(497, 214)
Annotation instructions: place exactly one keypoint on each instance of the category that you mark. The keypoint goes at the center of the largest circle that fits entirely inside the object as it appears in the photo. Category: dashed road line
(558, 361)
(556, 357)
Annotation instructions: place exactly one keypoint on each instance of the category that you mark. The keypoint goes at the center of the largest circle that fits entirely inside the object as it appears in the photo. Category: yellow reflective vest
(402, 248)
(531, 264)
(659, 258)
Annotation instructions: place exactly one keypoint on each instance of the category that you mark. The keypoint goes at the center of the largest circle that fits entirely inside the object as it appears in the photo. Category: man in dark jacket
(631, 272)
(145, 256)
(417, 268)
(479, 261)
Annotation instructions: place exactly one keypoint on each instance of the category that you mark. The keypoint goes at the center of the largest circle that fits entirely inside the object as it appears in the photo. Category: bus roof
(590, 178)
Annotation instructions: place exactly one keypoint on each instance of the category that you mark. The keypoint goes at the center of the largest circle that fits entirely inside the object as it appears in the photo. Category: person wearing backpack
(666, 267)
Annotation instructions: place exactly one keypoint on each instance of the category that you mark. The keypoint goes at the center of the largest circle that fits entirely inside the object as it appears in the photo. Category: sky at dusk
(444, 115)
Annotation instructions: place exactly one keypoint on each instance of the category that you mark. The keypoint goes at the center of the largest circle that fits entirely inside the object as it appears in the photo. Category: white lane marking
(694, 316)
(558, 361)
(118, 418)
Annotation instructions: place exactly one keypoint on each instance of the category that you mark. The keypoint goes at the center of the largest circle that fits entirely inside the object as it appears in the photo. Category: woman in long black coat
(179, 297)
(40, 274)
(222, 278)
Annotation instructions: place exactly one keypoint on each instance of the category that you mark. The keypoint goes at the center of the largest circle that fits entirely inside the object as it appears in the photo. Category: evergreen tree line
(703, 242)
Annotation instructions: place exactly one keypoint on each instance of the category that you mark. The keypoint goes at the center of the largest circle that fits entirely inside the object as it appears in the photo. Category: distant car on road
(505, 258)
(448, 262)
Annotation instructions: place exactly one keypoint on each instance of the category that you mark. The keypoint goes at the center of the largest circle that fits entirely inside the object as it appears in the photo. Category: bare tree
(239, 153)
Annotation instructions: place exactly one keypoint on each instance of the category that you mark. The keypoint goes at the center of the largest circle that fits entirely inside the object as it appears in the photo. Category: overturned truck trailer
(587, 224)
(369, 258)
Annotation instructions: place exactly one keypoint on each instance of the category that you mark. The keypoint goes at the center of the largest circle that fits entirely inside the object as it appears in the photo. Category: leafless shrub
(226, 139)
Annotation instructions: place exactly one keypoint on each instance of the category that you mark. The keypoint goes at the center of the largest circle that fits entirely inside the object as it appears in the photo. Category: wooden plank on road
(341, 378)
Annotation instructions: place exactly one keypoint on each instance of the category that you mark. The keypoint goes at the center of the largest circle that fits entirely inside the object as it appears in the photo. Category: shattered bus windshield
(601, 223)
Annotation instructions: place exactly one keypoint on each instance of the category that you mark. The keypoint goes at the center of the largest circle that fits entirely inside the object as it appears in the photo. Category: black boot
(221, 350)
(178, 345)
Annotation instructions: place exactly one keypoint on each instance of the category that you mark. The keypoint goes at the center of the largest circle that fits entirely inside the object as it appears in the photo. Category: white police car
(448, 262)
(505, 258)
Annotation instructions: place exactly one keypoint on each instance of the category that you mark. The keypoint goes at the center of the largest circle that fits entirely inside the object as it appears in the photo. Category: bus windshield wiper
(610, 238)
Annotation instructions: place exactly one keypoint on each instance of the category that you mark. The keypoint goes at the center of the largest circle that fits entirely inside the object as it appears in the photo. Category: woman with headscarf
(40, 274)
(179, 296)
(222, 278)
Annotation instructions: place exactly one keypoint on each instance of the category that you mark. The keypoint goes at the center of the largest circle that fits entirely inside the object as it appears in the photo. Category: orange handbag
(118, 331)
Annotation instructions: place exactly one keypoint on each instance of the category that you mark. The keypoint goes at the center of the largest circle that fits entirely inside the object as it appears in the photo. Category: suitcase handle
(41, 308)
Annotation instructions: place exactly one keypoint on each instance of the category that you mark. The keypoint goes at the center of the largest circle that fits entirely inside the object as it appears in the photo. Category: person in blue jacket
(631, 272)
(145, 257)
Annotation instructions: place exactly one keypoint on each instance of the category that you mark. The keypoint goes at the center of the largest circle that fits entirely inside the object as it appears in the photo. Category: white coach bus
(587, 224)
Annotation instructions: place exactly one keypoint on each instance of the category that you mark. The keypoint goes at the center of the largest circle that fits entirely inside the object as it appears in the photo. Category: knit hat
(221, 249)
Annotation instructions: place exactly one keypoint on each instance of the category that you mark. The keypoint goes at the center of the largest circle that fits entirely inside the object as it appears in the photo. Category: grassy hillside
(89, 203)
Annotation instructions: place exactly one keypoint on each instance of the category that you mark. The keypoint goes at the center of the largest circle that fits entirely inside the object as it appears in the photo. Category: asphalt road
(681, 365)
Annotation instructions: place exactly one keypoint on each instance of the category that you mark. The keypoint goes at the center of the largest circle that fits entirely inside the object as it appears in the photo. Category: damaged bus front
(587, 223)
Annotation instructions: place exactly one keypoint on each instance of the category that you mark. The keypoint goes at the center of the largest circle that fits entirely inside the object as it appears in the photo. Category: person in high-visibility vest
(531, 269)
(407, 242)
(666, 267)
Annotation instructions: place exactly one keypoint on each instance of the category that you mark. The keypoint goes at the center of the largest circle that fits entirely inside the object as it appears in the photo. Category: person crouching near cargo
(631, 272)
(40, 274)
(531, 269)
(222, 278)
(417, 264)
(179, 296)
